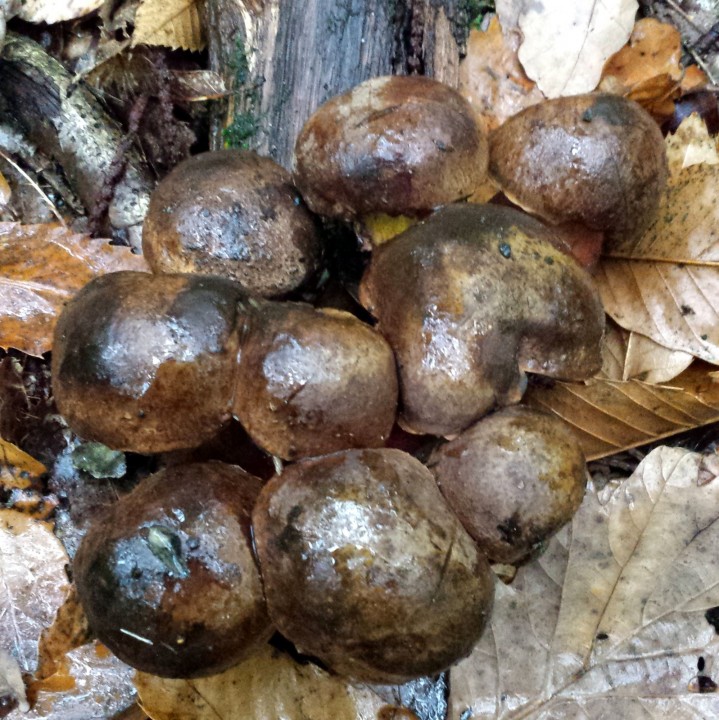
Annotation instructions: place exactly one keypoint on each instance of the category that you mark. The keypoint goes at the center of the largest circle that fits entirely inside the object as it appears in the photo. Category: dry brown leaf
(197, 85)
(491, 77)
(268, 686)
(631, 356)
(170, 23)
(691, 144)
(17, 468)
(565, 43)
(52, 11)
(41, 268)
(610, 621)
(610, 415)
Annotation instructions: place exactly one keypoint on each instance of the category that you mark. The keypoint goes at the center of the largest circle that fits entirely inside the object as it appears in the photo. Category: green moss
(476, 10)
(244, 124)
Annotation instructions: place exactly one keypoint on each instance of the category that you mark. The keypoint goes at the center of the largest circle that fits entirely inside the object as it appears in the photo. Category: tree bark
(283, 58)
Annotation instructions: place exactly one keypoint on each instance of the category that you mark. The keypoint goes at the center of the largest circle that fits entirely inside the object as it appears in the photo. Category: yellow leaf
(268, 686)
(171, 23)
(41, 268)
(5, 191)
(17, 468)
(610, 415)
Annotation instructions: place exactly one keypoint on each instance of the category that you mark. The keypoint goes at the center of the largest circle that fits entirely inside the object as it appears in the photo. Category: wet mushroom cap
(366, 568)
(394, 145)
(513, 479)
(594, 159)
(146, 362)
(470, 300)
(167, 575)
(235, 214)
(311, 382)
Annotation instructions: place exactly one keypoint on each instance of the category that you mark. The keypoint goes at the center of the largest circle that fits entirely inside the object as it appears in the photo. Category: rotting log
(282, 58)
(67, 122)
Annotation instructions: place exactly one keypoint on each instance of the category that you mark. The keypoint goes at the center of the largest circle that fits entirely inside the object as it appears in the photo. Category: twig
(33, 184)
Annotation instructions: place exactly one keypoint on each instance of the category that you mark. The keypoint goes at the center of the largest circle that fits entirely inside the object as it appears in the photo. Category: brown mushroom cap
(395, 145)
(595, 159)
(146, 362)
(366, 568)
(167, 576)
(469, 300)
(513, 480)
(235, 214)
(311, 382)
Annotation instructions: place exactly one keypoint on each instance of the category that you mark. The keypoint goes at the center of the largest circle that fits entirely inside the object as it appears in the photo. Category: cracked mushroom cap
(470, 300)
(594, 159)
(311, 382)
(394, 145)
(145, 362)
(167, 575)
(513, 479)
(234, 214)
(366, 568)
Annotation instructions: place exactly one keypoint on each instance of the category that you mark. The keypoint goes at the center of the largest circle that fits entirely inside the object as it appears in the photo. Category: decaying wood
(283, 59)
(66, 121)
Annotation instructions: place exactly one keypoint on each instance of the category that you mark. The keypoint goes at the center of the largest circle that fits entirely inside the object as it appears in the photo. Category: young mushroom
(596, 159)
(391, 145)
(365, 567)
(470, 300)
(167, 575)
(235, 214)
(513, 479)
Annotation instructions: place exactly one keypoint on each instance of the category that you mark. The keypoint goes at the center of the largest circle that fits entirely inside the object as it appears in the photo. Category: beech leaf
(491, 77)
(267, 686)
(610, 621)
(171, 23)
(610, 415)
(567, 43)
(41, 268)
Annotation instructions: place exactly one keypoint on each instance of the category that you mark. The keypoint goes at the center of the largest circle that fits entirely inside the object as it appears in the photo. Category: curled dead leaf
(175, 24)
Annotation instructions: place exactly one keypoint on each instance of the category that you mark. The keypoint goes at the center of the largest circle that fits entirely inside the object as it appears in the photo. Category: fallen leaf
(631, 356)
(610, 621)
(610, 415)
(52, 11)
(174, 24)
(691, 144)
(267, 686)
(197, 85)
(491, 77)
(666, 286)
(5, 192)
(17, 468)
(566, 44)
(12, 688)
(41, 268)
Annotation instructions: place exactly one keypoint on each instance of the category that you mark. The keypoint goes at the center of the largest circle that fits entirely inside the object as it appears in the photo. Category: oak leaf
(171, 23)
(566, 44)
(611, 620)
(613, 415)
(41, 268)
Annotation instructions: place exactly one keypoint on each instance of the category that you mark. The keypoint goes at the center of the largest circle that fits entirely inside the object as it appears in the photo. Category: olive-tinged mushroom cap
(167, 575)
(513, 479)
(395, 145)
(471, 299)
(235, 214)
(595, 159)
(311, 382)
(146, 362)
(366, 568)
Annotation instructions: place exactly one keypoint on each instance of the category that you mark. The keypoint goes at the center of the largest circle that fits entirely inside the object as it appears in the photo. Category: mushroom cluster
(359, 554)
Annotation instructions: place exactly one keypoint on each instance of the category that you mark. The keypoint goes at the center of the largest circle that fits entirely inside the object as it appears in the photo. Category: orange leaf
(17, 468)
(492, 79)
(41, 268)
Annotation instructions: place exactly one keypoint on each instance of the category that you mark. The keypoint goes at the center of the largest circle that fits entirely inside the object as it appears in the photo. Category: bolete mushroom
(470, 300)
(365, 567)
(513, 479)
(146, 362)
(167, 575)
(392, 145)
(594, 159)
(311, 382)
(235, 214)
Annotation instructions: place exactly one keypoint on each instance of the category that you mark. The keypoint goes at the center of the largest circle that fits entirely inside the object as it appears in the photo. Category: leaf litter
(614, 619)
